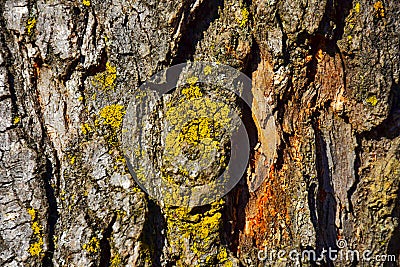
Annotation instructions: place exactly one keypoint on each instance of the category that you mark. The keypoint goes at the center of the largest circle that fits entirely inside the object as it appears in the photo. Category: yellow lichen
(207, 70)
(379, 9)
(136, 189)
(120, 159)
(228, 264)
(16, 120)
(116, 261)
(192, 80)
(197, 130)
(32, 213)
(72, 160)
(203, 132)
(200, 230)
(55, 239)
(36, 228)
(106, 80)
(86, 128)
(86, 2)
(222, 255)
(30, 25)
(357, 7)
(35, 248)
(192, 92)
(113, 115)
(372, 100)
(242, 21)
(140, 174)
(120, 213)
(92, 246)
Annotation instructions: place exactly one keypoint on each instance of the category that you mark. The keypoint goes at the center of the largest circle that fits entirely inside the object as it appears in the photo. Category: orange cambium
(272, 211)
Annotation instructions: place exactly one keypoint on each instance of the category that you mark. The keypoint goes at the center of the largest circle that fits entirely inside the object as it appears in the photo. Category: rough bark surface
(329, 70)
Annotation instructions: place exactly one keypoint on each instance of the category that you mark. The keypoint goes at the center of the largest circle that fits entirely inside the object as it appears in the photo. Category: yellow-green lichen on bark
(36, 247)
(30, 25)
(207, 70)
(357, 7)
(16, 120)
(244, 17)
(86, 2)
(196, 234)
(197, 127)
(113, 115)
(109, 123)
(106, 80)
(372, 100)
(92, 246)
(86, 128)
(116, 261)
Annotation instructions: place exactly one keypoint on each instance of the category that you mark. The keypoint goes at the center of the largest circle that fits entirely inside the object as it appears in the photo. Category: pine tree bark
(329, 70)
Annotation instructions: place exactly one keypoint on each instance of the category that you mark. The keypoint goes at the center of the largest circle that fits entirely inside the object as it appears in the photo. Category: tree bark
(329, 70)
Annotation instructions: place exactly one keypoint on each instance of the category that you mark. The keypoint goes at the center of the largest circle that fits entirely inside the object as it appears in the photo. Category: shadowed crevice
(52, 213)
(312, 205)
(153, 232)
(234, 213)
(105, 247)
(357, 165)
(326, 203)
(336, 12)
(194, 27)
(285, 48)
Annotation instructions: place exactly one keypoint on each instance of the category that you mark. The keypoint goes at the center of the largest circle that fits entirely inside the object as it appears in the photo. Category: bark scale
(330, 71)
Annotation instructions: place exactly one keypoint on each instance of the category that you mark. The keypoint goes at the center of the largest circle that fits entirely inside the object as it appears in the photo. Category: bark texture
(329, 70)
